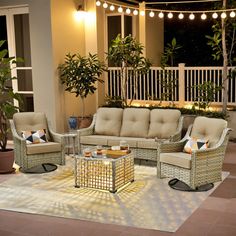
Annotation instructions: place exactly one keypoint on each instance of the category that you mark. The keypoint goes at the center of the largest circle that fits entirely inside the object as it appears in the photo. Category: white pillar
(181, 85)
(142, 26)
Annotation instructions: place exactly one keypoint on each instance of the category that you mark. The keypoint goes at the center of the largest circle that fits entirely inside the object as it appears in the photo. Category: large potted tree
(7, 108)
(79, 74)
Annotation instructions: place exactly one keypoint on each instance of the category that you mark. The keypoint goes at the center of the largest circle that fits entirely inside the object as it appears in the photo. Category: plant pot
(84, 122)
(73, 122)
(6, 161)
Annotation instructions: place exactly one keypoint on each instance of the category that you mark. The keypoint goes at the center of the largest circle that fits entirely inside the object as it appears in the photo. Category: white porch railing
(172, 84)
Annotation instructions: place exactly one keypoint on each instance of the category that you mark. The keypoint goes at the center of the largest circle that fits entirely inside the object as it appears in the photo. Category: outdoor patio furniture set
(151, 135)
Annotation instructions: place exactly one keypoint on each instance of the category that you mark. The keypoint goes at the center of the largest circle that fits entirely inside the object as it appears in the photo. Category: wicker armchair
(201, 166)
(30, 155)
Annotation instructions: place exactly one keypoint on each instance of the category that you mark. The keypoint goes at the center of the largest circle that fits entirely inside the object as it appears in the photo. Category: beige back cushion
(163, 123)
(108, 121)
(135, 122)
(208, 128)
(30, 121)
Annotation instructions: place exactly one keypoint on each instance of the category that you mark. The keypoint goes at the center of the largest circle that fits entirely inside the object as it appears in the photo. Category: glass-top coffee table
(109, 173)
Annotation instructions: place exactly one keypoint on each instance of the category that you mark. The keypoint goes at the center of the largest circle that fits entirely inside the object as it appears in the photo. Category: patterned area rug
(148, 202)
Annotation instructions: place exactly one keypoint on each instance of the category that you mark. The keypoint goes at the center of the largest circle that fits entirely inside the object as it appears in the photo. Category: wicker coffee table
(109, 173)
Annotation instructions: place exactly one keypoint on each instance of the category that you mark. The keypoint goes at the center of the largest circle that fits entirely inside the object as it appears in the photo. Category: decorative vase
(73, 122)
(84, 122)
(7, 161)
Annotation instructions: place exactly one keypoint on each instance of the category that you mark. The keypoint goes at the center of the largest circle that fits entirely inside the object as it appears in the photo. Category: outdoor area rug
(148, 202)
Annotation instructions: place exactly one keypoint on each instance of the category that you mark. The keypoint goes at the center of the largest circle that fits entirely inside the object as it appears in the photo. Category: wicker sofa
(140, 127)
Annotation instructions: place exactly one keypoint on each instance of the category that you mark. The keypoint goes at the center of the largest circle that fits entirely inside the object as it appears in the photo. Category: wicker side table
(104, 173)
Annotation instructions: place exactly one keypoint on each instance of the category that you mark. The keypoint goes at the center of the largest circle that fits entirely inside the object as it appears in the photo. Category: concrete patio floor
(215, 217)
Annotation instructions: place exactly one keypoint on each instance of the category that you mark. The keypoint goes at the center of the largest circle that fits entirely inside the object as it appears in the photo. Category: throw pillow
(32, 137)
(195, 144)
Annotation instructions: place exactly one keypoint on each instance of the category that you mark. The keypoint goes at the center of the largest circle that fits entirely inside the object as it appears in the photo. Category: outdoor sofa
(142, 128)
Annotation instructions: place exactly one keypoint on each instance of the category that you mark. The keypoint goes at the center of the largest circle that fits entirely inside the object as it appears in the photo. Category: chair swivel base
(179, 185)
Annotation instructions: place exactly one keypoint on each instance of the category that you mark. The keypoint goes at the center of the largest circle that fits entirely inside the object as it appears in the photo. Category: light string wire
(180, 2)
(164, 10)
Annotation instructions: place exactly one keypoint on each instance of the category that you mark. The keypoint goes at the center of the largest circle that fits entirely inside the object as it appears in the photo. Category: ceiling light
(170, 15)
(161, 15)
(203, 16)
(128, 11)
(181, 16)
(135, 12)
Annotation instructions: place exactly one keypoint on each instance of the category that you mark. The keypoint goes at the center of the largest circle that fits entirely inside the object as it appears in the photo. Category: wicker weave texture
(104, 173)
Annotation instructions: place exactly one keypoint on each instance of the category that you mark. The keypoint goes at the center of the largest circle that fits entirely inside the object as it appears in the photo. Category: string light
(232, 14)
(135, 12)
(161, 15)
(105, 5)
(151, 14)
(112, 8)
(181, 16)
(120, 9)
(191, 16)
(170, 13)
(142, 13)
(203, 16)
(223, 15)
(98, 3)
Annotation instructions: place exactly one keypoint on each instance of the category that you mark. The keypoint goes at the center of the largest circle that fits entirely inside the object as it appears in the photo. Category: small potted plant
(7, 108)
(79, 75)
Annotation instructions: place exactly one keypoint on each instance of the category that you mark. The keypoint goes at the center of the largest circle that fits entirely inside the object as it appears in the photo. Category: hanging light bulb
(181, 16)
(161, 15)
(112, 8)
(128, 11)
(135, 12)
(170, 15)
(203, 16)
(223, 15)
(98, 3)
(191, 16)
(120, 9)
(142, 13)
(151, 14)
(105, 5)
(232, 14)
(214, 15)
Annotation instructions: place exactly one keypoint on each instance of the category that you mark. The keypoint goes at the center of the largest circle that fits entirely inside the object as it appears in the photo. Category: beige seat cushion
(208, 129)
(108, 121)
(163, 123)
(40, 148)
(30, 121)
(180, 159)
(94, 139)
(135, 122)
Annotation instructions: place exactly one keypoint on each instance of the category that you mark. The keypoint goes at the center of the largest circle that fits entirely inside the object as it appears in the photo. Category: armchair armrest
(59, 138)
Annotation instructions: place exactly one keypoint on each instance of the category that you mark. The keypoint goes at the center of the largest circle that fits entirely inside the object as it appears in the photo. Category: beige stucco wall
(67, 36)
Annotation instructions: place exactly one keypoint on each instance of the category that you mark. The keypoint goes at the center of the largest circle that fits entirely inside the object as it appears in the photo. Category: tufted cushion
(30, 121)
(135, 122)
(209, 129)
(163, 123)
(108, 121)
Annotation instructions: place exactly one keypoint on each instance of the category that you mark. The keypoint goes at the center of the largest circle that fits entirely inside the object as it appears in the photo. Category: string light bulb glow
(203, 16)
(98, 3)
(223, 15)
(191, 16)
(135, 12)
(105, 5)
(120, 9)
(170, 15)
(151, 14)
(128, 11)
(214, 15)
(112, 8)
(142, 13)
(232, 14)
(161, 15)
(181, 16)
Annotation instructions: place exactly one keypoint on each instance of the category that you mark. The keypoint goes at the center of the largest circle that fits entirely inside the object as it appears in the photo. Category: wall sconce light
(80, 13)
(80, 8)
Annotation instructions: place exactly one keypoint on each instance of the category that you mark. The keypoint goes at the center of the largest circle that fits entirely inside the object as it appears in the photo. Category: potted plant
(7, 108)
(79, 75)
(126, 53)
